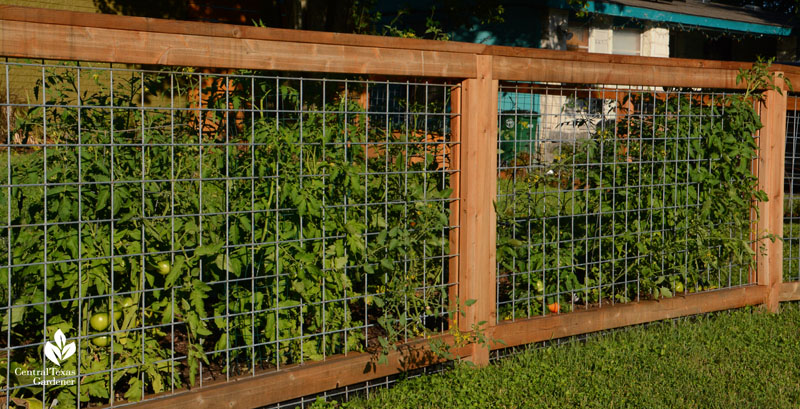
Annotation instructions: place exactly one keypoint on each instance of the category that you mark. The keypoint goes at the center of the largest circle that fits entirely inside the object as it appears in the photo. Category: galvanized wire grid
(363, 390)
(225, 224)
(599, 197)
(791, 191)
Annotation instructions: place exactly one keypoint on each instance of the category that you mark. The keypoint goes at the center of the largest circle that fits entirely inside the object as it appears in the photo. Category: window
(626, 42)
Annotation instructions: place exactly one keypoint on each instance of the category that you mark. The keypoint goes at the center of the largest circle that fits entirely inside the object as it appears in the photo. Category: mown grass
(738, 359)
(791, 250)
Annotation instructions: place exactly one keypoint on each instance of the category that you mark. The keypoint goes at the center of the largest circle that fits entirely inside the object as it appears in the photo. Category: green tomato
(99, 321)
(678, 287)
(126, 302)
(163, 267)
(101, 341)
(121, 305)
(539, 286)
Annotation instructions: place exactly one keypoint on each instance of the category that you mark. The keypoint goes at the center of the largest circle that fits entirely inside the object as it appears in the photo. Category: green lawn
(791, 251)
(738, 359)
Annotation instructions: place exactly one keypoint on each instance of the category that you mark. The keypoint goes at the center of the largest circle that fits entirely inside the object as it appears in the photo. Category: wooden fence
(56, 35)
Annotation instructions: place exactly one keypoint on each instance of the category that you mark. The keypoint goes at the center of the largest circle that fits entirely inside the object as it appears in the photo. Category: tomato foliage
(660, 194)
(269, 224)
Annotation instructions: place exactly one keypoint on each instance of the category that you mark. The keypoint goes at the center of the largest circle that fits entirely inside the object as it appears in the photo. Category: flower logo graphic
(59, 351)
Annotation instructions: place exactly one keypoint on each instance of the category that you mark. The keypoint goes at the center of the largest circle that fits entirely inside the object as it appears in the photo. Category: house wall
(600, 40)
(655, 42)
(554, 35)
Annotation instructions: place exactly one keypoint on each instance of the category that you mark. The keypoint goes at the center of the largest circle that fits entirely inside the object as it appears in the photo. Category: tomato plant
(244, 243)
(649, 201)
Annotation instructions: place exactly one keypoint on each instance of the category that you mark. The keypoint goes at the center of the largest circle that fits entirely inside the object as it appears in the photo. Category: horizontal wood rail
(301, 380)
(554, 326)
(307, 379)
(790, 291)
(56, 34)
(53, 41)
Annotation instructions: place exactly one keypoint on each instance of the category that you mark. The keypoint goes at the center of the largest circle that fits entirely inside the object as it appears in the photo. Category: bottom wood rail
(301, 380)
(790, 291)
(310, 378)
(554, 326)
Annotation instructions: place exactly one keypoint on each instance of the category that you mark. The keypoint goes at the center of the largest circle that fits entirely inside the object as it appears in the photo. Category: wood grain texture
(300, 380)
(790, 291)
(595, 72)
(60, 42)
(56, 34)
(554, 326)
(477, 280)
(156, 25)
(455, 184)
(770, 171)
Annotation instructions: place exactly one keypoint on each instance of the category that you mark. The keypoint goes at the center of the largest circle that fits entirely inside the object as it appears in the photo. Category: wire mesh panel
(791, 198)
(363, 390)
(615, 194)
(171, 228)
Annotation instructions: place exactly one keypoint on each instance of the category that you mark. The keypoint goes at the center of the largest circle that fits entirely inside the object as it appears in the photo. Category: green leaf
(299, 287)
(31, 403)
(306, 258)
(96, 387)
(134, 392)
(208, 249)
(156, 380)
(175, 271)
(339, 263)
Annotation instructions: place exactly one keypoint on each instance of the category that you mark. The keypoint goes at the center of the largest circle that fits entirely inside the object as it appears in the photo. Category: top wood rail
(64, 35)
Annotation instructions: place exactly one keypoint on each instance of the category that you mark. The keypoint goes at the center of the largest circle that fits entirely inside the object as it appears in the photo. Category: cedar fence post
(477, 233)
(770, 171)
(455, 184)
